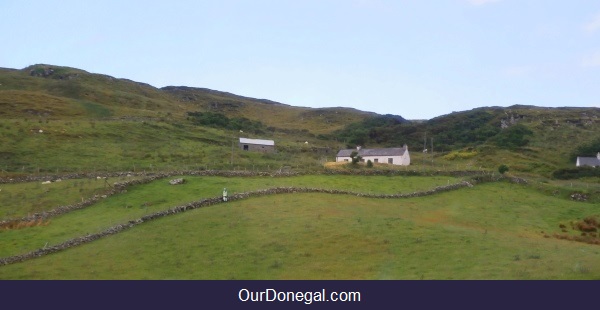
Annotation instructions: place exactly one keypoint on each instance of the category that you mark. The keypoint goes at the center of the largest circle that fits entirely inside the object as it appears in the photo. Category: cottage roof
(257, 141)
(588, 161)
(397, 151)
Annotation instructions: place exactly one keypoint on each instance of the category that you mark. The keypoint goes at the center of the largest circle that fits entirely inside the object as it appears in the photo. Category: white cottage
(588, 161)
(394, 156)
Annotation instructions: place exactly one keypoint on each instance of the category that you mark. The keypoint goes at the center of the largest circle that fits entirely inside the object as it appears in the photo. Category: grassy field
(491, 231)
(20, 199)
(159, 195)
(31, 147)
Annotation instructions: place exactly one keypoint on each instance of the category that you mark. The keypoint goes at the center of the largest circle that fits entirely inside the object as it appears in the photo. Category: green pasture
(160, 195)
(22, 199)
(490, 231)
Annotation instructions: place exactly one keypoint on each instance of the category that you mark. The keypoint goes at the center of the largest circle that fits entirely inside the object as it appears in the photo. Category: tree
(589, 149)
(503, 169)
(355, 157)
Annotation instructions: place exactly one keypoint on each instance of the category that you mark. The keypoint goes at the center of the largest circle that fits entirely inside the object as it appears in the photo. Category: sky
(415, 58)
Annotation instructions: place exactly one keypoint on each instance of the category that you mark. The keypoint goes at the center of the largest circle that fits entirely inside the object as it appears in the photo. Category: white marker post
(224, 194)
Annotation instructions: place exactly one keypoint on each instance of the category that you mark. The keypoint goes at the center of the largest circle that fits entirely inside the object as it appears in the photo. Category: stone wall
(236, 173)
(120, 187)
(224, 173)
(207, 202)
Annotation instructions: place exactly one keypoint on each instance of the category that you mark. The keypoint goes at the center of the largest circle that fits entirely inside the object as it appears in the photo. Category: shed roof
(396, 151)
(257, 141)
(588, 161)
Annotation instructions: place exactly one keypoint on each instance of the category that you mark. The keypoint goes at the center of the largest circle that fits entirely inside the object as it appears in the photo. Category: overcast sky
(414, 58)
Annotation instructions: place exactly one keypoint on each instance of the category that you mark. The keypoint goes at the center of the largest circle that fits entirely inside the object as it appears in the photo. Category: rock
(579, 197)
(176, 181)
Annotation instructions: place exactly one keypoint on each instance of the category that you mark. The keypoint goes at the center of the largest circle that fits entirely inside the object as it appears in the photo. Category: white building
(588, 161)
(394, 156)
(257, 145)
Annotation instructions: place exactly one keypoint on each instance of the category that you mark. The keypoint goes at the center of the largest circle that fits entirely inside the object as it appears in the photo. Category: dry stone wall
(224, 173)
(208, 202)
(121, 187)
(232, 173)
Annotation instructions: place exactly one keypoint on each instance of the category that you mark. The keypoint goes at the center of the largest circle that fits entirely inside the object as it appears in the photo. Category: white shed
(588, 161)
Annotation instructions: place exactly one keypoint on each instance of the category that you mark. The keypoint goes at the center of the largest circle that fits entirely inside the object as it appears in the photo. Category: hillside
(446, 216)
(530, 139)
(60, 119)
(53, 92)
(64, 119)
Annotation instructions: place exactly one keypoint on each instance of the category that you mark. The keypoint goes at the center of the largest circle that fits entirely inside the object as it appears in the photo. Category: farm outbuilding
(588, 161)
(257, 145)
(394, 156)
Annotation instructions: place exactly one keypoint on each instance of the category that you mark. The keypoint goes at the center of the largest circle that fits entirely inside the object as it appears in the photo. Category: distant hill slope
(56, 118)
(530, 138)
(56, 92)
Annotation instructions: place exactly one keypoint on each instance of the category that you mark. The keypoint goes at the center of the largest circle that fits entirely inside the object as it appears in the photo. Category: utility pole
(424, 150)
(431, 152)
(232, 141)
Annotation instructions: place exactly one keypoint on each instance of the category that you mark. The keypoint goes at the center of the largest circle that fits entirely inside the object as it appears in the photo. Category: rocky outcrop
(579, 197)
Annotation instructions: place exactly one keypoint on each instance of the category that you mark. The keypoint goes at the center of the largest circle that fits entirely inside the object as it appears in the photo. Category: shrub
(369, 164)
(589, 149)
(512, 137)
(466, 154)
(355, 157)
(503, 169)
(576, 173)
(590, 220)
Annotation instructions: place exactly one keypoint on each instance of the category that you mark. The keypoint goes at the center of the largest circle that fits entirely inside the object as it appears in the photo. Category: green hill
(64, 119)
(528, 138)
(54, 92)
(59, 119)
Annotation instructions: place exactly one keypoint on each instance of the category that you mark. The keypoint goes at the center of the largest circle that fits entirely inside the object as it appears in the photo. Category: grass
(95, 122)
(74, 146)
(159, 195)
(17, 200)
(20, 199)
(490, 231)
(103, 96)
(74, 121)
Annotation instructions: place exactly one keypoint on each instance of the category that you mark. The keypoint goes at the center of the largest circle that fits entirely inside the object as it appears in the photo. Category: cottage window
(376, 160)
(245, 147)
(390, 160)
(345, 160)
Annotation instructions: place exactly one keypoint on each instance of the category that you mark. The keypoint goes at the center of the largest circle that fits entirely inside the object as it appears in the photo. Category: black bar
(228, 294)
